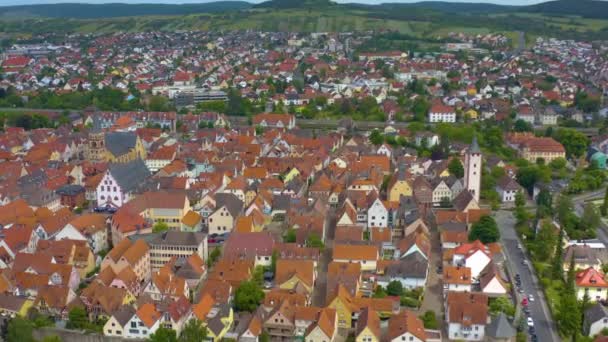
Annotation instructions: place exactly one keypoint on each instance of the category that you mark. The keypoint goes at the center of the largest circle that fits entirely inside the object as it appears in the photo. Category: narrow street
(433, 293)
(518, 262)
(318, 297)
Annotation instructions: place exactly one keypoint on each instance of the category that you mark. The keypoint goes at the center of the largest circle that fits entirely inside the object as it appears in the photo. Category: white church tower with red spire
(472, 169)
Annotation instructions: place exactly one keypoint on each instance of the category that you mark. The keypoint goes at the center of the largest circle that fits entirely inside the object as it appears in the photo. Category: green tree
(574, 142)
(564, 208)
(501, 304)
(214, 256)
(547, 240)
(522, 126)
(264, 337)
(455, 168)
(527, 177)
(273, 261)
(160, 227)
(520, 199)
(193, 331)
(51, 338)
(557, 265)
(290, 237)
(394, 288)
(163, 334)
(568, 313)
(248, 296)
(545, 199)
(379, 292)
(158, 103)
(604, 207)
(429, 319)
(485, 230)
(77, 318)
(376, 137)
(314, 241)
(591, 218)
(19, 330)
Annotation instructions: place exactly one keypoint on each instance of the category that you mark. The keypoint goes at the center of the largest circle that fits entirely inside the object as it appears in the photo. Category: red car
(524, 302)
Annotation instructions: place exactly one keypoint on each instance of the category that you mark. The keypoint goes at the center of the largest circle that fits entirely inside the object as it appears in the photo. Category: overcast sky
(30, 2)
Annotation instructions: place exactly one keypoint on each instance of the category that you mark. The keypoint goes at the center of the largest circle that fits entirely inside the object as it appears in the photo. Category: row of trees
(545, 242)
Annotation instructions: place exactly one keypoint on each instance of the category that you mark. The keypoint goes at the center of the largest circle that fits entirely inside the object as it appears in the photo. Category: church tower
(472, 169)
(96, 147)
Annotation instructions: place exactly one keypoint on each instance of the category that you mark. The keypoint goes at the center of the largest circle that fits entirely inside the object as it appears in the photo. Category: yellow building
(344, 307)
(368, 326)
(114, 147)
(399, 186)
(123, 147)
(291, 174)
(12, 306)
(294, 274)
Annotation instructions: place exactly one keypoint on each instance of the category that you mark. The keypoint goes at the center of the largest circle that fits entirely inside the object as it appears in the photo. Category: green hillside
(426, 20)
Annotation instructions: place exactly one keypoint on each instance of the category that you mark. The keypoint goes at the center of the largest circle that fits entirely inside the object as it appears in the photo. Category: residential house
(295, 274)
(491, 281)
(405, 326)
(368, 326)
(457, 278)
(144, 322)
(507, 189)
(474, 255)
(466, 314)
(324, 328)
(367, 256)
(227, 208)
(135, 255)
(117, 323)
(595, 320)
(500, 329)
(592, 283)
(256, 247)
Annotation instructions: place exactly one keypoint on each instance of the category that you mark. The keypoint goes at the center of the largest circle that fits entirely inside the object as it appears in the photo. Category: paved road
(543, 323)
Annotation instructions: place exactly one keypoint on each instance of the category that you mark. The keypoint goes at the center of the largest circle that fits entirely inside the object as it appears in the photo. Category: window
(133, 325)
(102, 188)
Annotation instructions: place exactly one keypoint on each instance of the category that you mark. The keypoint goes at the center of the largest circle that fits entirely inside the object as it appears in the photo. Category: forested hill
(585, 8)
(113, 10)
(597, 9)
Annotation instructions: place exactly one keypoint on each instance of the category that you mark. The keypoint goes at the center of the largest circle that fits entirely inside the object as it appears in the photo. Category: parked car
(531, 298)
(112, 210)
(99, 209)
(530, 322)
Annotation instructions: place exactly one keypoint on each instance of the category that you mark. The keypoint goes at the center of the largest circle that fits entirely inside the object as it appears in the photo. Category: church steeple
(472, 169)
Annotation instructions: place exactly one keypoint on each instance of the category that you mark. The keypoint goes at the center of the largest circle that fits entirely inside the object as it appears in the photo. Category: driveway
(539, 311)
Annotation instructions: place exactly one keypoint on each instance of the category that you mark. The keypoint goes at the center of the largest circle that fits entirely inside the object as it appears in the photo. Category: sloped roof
(500, 328)
(119, 143)
(129, 175)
